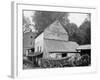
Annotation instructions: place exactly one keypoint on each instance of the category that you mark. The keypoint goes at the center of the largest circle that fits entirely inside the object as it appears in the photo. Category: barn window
(38, 49)
(31, 43)
(31, 36)
(64, 55)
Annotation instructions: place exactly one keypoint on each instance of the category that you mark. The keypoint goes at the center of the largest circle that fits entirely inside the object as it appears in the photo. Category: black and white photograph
(55, 39)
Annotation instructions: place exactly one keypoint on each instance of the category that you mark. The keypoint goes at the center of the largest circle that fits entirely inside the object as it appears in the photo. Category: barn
(28, 42)
(54, 42)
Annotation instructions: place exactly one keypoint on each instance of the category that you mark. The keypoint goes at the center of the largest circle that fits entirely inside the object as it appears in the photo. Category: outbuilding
(54, 42)
(28, 42)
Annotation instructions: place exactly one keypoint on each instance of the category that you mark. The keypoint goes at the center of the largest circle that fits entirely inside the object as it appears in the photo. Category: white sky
(76, 18)
(28, 14)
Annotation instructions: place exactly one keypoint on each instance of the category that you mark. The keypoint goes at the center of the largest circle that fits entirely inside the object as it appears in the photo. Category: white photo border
(17, 55)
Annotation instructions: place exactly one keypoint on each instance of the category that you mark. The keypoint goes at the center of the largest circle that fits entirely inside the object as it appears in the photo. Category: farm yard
(52, 40)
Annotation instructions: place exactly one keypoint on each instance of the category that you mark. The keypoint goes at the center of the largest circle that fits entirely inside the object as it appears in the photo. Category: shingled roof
(84, 46)
(60, 46)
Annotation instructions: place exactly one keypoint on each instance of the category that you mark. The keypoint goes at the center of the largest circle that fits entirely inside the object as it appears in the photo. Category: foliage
(81, 35)
(85, 32)
(26, 21)
(43, 19)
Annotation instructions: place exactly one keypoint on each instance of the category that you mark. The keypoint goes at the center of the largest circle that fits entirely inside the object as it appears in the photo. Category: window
(64, 55)
(31, 43)
(31, 36)
(38, 49)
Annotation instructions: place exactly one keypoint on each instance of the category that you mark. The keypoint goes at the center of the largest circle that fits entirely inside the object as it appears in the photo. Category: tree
(26, 24)
(43, 19)
(26, 21)
(81, 35)
(85, 32)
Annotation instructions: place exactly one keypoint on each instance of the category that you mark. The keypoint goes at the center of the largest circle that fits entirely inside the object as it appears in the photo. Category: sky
(77, 18)
(28, 14)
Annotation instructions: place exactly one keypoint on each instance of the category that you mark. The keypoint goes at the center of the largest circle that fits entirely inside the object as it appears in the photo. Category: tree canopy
(43, 19)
